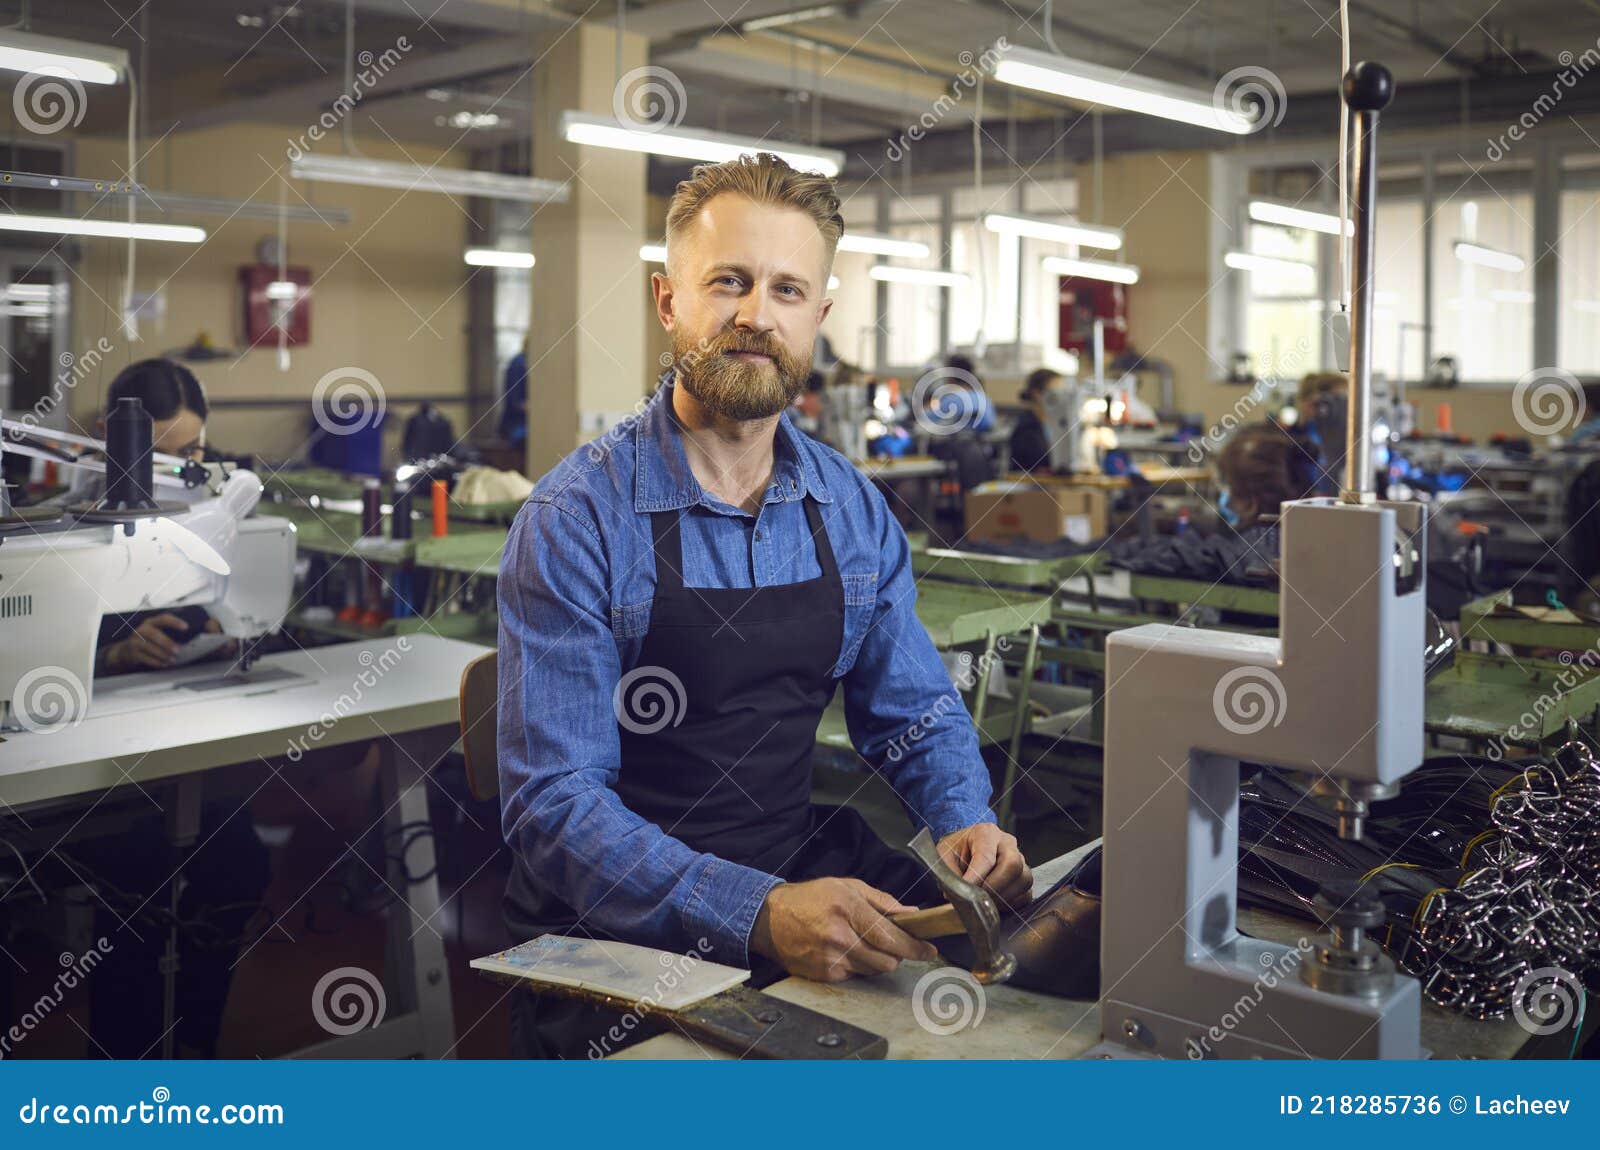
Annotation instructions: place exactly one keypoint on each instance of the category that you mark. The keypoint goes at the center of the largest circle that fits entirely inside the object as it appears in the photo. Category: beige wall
(387, 297)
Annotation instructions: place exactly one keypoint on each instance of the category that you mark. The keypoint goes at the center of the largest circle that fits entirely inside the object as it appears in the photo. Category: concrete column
(587, 368)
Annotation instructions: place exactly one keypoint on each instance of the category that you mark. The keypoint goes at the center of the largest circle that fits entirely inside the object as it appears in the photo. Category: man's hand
(983, 853)
(150, 645)
(831, 928)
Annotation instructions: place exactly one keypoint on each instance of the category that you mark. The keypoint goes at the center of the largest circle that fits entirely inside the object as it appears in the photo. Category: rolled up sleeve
(905, 716)
(560, 754)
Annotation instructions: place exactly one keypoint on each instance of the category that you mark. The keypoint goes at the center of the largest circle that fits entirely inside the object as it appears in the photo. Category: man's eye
(731, 281)
(789, 289)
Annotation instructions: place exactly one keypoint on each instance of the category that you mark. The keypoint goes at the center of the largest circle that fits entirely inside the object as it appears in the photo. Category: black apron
(733, 778)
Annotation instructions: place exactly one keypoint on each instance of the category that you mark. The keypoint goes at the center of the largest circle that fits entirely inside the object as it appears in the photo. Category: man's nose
(755, 313)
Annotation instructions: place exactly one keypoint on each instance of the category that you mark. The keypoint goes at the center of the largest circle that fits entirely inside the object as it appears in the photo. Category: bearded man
(678, 604)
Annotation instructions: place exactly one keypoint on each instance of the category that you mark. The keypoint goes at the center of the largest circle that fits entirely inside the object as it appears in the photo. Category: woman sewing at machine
(1030, 443)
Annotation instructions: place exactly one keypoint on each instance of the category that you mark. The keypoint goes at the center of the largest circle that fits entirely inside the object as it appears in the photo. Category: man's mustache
(751, 342)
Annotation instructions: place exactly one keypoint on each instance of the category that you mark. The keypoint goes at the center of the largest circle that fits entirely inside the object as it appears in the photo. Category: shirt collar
(664, 482)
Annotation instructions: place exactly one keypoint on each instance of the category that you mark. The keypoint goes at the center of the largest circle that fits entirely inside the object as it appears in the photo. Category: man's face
(743, 300)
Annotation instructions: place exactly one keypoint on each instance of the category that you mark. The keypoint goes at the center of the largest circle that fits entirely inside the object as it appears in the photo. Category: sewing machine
(1337, 696)
(63, 568)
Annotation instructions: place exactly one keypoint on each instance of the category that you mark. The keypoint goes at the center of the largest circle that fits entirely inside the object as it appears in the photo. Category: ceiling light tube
(1251, 262)
(881, 245)
(497, 258)
(1088, 83)
(781, 19)
(1037, 229)
(931, 277)
(690, 143)
(1091, 269)
(417, 178)
(102, 229)
(1471, 253)
(1288, 216)
(50, 55)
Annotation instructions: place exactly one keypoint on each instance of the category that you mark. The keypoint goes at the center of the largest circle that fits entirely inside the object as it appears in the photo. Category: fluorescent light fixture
(653, 253)
(1471, 253)
(690, 143)
(1091, 269)
(931, 277)
(1089, 83)
(30, 293)
(103, 229)
(1288, 216)
(781, 19)
(497, 258)
(53, 56)
(29, 310)
(283, 290)
(469, 120)
(1037, 229)
(1251, 262)
(416, 178)
(880, 245)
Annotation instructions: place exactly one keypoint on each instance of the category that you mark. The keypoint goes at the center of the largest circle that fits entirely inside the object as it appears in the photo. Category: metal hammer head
(977, 910)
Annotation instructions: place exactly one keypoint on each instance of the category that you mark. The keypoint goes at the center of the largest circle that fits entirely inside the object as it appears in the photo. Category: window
(914, 309)
(1284, 315)
(1397, 304)
(1580, 275)
(852, 323)
(1483, 316)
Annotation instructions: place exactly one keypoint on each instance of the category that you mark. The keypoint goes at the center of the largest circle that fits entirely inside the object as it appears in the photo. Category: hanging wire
(980, 338)
(1342, 240)
(350, 148)
(130, 328)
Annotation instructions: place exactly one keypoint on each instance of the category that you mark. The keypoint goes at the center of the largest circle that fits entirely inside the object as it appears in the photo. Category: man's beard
(734, 388)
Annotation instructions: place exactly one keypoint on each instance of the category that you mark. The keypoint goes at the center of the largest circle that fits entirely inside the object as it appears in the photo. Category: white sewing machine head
(57, 581)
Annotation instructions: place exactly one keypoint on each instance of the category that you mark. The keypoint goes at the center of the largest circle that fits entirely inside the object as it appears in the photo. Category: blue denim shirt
(575, 589)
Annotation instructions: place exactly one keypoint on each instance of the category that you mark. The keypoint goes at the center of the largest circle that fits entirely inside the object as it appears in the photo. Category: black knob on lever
(1368, 87)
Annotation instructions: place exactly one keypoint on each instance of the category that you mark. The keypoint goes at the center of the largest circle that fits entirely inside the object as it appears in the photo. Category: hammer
(970, 911)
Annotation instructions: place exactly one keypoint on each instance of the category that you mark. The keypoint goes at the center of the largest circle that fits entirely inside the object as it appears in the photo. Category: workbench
(1024, 1024)
(166, 728)
(923, 470)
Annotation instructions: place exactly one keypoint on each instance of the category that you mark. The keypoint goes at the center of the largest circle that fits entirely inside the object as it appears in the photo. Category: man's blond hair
(765, 179)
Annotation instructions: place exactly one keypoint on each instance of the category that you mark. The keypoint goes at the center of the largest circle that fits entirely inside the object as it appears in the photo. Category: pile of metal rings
(1524, 921)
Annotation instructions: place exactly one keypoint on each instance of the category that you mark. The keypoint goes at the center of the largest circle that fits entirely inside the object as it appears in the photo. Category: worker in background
(514, 397)
(956, 414)
(676, 611)
(1030, 443)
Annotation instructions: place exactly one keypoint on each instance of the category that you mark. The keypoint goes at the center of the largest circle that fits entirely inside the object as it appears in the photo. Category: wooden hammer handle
(934, 922)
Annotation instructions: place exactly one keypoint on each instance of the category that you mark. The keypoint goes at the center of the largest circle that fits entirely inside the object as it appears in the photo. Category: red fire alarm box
(1085, 300)
(272, 301)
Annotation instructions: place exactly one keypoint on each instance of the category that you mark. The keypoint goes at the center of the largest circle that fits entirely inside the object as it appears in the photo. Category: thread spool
(441, 509)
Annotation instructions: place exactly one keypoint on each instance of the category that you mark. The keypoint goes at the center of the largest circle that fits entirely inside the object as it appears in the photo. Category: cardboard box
(1006, 509)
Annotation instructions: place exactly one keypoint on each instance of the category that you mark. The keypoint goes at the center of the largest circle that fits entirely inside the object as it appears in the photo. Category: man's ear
(661, 288)
(822, 312)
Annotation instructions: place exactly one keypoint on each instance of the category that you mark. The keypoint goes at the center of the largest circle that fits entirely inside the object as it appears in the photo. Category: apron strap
(819, 536)
(668, 549)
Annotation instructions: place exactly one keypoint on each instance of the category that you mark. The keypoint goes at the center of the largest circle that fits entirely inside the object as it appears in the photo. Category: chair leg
(1019, 724)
